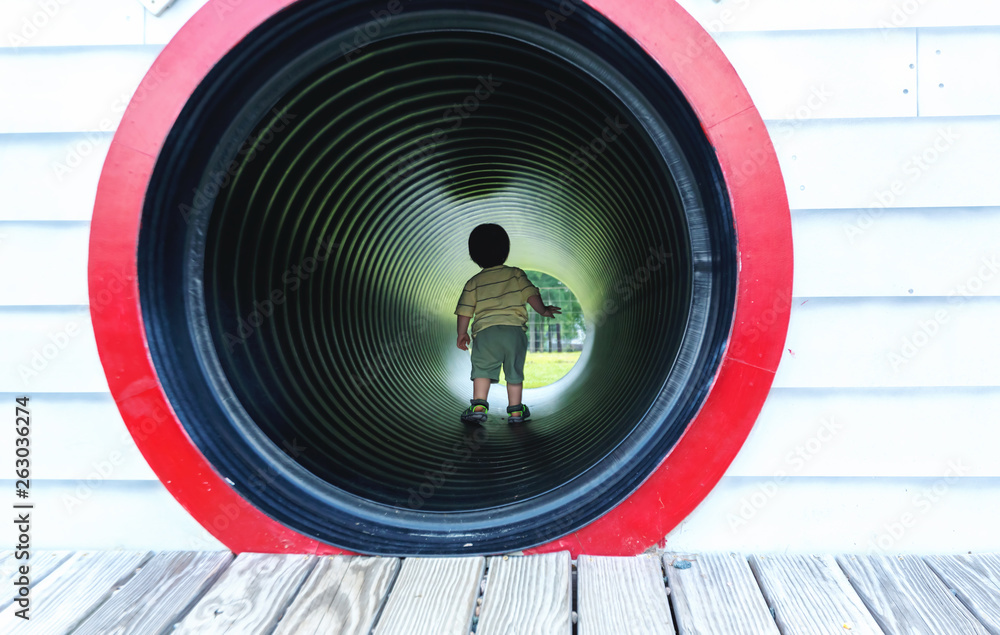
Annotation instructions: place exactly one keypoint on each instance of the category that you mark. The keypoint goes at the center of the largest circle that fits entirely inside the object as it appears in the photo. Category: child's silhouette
(496, 297)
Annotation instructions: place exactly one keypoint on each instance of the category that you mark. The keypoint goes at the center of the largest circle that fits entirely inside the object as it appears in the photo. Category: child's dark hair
(489, 245)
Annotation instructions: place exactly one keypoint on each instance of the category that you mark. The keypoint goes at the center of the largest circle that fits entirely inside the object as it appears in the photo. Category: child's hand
(551, 311)
(463, 341)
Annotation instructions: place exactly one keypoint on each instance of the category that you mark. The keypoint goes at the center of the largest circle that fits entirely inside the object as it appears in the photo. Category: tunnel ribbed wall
(305, 241)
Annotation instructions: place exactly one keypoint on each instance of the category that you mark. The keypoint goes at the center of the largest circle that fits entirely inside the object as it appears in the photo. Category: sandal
(518, 414)
(472, 415)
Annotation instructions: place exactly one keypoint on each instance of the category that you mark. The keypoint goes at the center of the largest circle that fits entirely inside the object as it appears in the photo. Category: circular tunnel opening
(304, 243)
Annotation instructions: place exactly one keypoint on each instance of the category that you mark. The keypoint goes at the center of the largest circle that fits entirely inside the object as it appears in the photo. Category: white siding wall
(881, 431)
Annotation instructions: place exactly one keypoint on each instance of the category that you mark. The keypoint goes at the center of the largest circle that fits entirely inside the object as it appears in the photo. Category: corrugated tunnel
(304, 240)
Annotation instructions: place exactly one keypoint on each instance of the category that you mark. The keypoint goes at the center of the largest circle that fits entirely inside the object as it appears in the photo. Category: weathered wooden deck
(188, 592)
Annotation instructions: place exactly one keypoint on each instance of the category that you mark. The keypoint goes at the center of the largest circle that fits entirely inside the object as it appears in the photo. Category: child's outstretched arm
(463, 332)
(536, 303)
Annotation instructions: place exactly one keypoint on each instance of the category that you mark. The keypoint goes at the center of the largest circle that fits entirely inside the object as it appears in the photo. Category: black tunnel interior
(304, 243)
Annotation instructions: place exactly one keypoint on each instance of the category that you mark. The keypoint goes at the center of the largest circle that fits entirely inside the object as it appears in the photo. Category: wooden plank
(51, 176)
(40, 564)
(57, 253)
(810, 594)
(859, 432)
(159, 595)
(718, 594)
(988, 563)
(884, 15)
(972, 585)
(28, 23)
(889, 163)
(77, 76)
(69, 594)
(49, 349)
(834, 258)
(528, 595)
(622, 595)
(892, 343)
(800, 75)
(342, 596)
(953, 66)
(432, 596)
(250, 596)
(905, 596)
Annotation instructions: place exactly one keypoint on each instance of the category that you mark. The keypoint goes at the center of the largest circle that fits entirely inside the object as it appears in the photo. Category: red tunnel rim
(694, 466)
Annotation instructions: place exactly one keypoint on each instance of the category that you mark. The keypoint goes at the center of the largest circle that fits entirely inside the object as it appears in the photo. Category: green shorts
(497, 346)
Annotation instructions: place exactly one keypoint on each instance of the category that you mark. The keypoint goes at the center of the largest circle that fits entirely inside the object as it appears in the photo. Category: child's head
(489, 245)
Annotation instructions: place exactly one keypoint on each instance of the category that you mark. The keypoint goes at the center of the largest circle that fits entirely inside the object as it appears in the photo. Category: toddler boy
(496, 297)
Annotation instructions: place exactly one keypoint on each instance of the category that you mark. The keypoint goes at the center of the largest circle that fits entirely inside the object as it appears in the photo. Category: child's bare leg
(514, 394)
(481, 388)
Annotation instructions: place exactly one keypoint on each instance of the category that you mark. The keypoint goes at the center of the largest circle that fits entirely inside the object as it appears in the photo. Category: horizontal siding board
(873, 164)
(50, 260)
(49, 350)
(891, 342)
(50, 176)
(832, 258)
(884, 15)
(872, 433)
(111, 515)
(843, 432)
(958, 70)
(944, 251)
(33, 23)
(82, 437)
(76, 75)
(844, 515)
(806, 75)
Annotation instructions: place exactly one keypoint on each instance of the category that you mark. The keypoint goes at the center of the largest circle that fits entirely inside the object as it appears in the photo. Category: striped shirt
(496, 296)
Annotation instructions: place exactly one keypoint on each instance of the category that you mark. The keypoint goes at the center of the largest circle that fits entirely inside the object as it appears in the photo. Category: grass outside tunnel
(543, 369)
